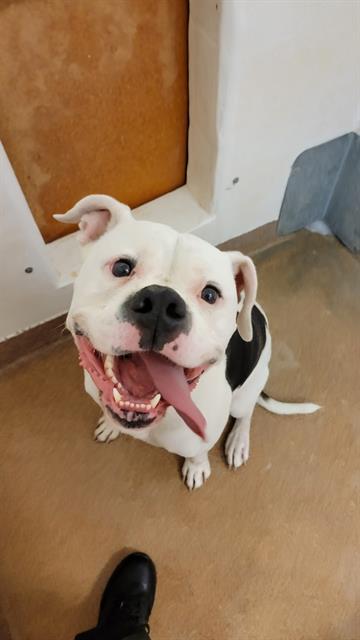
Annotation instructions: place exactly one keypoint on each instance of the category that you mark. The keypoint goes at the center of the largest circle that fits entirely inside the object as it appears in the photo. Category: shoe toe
(135, 576)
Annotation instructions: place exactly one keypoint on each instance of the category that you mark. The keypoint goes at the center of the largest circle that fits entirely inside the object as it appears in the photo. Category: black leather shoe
(129, 595)
(127, 601)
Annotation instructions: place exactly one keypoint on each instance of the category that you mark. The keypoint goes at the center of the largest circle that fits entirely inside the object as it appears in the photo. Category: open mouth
(137, 388)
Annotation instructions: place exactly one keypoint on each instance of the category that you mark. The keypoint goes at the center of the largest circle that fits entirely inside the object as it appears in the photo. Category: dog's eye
(122, 268)
(210, 294)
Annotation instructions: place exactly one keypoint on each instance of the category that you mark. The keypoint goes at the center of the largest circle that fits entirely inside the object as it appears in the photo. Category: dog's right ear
(95, 215)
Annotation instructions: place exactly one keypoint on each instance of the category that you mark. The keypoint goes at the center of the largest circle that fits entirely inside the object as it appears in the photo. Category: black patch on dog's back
(242, 357)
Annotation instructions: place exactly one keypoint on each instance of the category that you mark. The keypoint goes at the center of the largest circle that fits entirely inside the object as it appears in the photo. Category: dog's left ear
(95, 214)
(246, 283)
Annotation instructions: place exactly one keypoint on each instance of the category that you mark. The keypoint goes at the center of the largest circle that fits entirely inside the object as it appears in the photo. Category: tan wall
(93, 98)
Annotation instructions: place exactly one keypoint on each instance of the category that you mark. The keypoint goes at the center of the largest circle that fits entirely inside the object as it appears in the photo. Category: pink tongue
(170, 381)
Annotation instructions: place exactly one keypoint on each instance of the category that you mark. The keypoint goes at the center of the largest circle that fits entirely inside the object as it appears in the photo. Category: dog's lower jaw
(132, 419)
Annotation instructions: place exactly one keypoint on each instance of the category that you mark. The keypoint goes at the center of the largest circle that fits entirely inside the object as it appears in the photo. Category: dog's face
(149, 301)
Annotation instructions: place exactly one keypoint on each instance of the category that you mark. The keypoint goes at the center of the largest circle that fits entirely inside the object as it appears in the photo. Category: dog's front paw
(237, 447)
(196, 471)
(105, 432)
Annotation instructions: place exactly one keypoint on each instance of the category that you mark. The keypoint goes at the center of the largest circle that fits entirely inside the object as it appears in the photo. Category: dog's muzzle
(160, 315)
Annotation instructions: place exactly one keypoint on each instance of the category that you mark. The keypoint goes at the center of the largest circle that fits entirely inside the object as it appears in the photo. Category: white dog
(170, 336)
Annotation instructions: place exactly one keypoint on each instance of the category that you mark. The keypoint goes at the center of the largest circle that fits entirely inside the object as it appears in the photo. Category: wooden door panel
(93, 99)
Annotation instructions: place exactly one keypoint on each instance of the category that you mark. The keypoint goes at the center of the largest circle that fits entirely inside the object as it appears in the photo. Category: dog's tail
(285, 408)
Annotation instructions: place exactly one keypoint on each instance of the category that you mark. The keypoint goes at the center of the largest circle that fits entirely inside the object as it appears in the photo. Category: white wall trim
(27, 299)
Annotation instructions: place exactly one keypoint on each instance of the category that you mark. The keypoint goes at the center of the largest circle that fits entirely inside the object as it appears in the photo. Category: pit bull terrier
(170, 336)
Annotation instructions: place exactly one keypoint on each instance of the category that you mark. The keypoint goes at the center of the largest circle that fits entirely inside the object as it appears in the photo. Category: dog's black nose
(160, 314)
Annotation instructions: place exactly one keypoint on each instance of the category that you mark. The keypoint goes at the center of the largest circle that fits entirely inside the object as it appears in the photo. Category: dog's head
(152, 309)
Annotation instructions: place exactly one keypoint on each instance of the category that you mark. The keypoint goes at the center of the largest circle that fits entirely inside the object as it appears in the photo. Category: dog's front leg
(237, 447)
(106, 431)
(196, 471)
(243, 402)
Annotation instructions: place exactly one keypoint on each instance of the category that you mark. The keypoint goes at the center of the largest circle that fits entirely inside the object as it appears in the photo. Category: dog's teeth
(140, 406)
(129, 416)
(108, 366)
(155, 401)
(109, 361)
(148, 407)
(117, 396)
(113, 379)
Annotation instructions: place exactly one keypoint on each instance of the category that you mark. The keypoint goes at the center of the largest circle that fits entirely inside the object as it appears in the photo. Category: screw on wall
(233, 183)
(28, 270)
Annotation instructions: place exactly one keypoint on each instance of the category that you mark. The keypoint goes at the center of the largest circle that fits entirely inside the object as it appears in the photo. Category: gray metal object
(324, 184)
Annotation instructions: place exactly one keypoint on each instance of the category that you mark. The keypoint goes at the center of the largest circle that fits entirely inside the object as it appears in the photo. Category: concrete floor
(270, 552)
